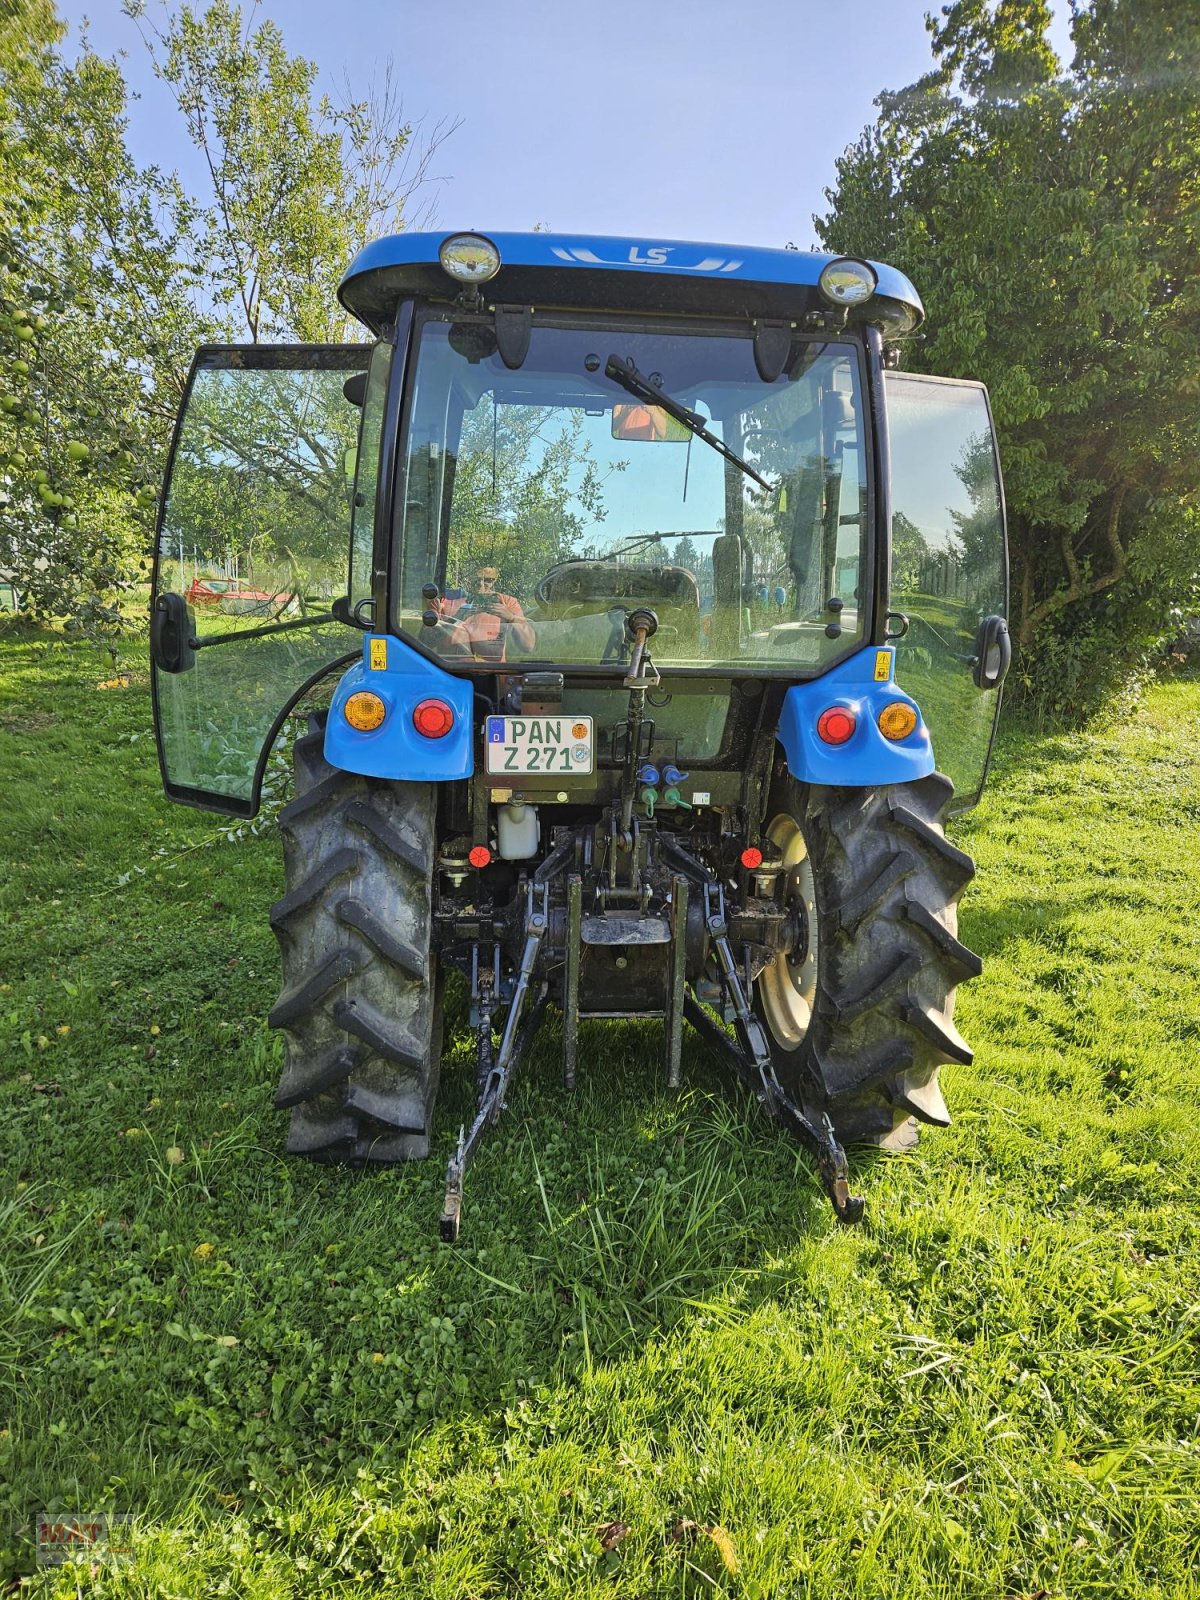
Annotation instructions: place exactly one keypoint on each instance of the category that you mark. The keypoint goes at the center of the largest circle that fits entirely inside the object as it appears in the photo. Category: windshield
(546, 503)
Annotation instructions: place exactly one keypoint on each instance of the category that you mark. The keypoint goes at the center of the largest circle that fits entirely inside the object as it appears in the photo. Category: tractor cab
(717, 437)
(628, 563)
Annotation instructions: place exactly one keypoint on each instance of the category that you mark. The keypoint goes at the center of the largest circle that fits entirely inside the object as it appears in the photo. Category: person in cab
(482, 624)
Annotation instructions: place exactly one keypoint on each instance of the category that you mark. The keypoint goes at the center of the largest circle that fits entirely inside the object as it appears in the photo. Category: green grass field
(655, 1365)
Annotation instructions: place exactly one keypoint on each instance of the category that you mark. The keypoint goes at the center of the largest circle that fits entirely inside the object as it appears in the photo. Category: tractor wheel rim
(788, 987)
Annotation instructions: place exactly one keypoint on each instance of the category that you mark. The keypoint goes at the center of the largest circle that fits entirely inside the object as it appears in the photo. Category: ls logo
(651, 255)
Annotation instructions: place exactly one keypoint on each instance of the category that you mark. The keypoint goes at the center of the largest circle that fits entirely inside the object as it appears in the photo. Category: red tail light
(479, 855)
(433, 718)
(836, 725)
(751, 857)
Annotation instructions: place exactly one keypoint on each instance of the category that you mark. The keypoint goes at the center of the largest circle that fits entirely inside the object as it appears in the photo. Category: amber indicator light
(364, 711)
(897, 721)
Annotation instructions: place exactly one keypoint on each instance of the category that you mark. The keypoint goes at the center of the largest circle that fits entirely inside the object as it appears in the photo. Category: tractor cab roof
(570, 269)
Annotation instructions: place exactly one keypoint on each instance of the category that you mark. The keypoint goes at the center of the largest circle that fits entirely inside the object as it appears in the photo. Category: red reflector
(751, 857)
(479, 855)
(836, 725)
(433, 718)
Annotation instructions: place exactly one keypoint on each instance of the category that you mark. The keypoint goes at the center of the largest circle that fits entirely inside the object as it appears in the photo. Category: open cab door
(260, 517)
(949, 574)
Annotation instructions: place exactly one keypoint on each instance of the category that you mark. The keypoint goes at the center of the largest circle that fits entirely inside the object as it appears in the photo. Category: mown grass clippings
(652, 1322)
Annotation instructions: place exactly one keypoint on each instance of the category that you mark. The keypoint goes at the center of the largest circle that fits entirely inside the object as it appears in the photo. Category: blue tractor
(646, 585)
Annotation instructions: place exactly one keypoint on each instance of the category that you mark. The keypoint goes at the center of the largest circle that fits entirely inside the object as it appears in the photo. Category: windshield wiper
(633, 382)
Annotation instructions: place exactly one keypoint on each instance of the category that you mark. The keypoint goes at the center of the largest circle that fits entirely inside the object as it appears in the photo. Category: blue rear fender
(863, 686)
(402, 679)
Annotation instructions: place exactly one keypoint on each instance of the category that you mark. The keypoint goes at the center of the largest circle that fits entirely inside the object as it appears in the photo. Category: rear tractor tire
(361, 1002)
(860, 1017)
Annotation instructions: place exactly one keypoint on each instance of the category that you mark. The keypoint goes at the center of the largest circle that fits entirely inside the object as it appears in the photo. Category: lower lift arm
(512, 1046)
(752, 1063)
(748, 1053)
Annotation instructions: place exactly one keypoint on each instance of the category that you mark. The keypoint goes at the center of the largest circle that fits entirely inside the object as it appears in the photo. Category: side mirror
(172, 634)
(993, 653)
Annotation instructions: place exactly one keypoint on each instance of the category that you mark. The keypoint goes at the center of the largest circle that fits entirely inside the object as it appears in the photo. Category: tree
(526, 490)
(910, 550)
(92, 308)
(298, 182)
(111, 275)
(1048, 217)
(687, 553)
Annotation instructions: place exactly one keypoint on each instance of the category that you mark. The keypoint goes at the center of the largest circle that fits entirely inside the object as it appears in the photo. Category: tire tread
(360, 1000)
(887, 884)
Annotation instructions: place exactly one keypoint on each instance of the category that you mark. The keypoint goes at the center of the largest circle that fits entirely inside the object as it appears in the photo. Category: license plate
(559, 747)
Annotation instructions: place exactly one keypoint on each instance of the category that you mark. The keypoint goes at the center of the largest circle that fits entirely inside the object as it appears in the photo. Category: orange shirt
(482, 632)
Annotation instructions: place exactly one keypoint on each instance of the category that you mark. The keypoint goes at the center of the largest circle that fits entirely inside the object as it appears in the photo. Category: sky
(713, 120)
(716, 120)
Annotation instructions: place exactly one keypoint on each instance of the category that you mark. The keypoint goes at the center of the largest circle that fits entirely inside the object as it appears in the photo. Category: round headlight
(848, 282)
(469, 257)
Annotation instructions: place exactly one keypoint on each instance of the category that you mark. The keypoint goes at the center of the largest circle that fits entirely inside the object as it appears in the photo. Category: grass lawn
(655, 1365)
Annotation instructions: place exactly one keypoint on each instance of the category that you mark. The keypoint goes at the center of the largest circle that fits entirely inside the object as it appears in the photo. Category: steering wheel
(541, 591)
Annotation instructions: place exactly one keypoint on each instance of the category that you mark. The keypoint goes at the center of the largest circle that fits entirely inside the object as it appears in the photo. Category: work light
(469, 257)
(847, 282)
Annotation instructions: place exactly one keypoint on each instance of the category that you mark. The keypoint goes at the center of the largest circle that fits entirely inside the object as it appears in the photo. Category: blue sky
(689, 119)
(716, 120)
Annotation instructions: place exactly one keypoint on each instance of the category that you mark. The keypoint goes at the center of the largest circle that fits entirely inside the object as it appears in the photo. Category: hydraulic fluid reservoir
(517, 831)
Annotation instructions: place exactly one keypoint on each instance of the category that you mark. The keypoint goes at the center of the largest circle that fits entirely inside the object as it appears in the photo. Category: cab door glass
(364, 474)
(252, 553)
(949, 561)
